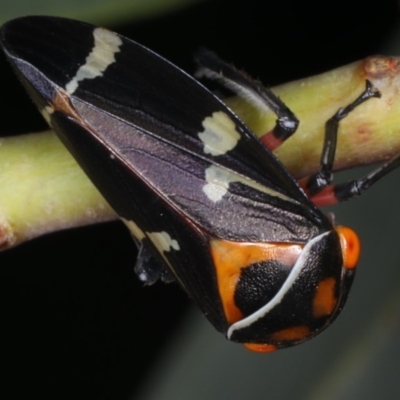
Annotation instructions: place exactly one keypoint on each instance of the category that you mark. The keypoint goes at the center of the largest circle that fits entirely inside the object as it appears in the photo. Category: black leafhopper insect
(206, 201)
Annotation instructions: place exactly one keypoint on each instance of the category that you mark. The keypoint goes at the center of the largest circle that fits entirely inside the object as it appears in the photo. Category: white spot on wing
(217, 185)
(294, 273)
(219, 135)
(106, 45)
(163, 241)
(46, 113)
(135, 230)
(218, 180)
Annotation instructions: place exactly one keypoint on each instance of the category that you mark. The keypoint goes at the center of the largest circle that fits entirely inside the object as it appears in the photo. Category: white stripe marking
(241, 90)
(219, 135)
(294, 273)
(106, 45)
(46, 113)
(218, 180)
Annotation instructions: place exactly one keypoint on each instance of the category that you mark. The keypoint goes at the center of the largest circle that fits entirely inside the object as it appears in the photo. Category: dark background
(76, 321)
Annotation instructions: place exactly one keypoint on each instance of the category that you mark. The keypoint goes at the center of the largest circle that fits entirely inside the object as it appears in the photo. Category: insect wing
(195, 150)
(173, 161)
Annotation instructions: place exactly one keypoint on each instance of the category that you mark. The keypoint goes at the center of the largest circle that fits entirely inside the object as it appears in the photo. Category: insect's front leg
(332, 194)
(319, 186)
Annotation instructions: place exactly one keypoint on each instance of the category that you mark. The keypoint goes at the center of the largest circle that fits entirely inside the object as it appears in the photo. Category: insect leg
(319, 186)
(344, 191)
(148, 269)
(212, 67)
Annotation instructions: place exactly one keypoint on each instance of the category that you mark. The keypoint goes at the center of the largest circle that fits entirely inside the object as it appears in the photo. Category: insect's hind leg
(212, 67)
(148, 269)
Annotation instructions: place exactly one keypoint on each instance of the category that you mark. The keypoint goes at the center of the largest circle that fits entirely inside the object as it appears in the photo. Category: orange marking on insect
(260, 347)
(62, 103)
(351, 246)
(270, 141)
(230, 257)
(325, 301)
(293, 333)
(325, 197)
